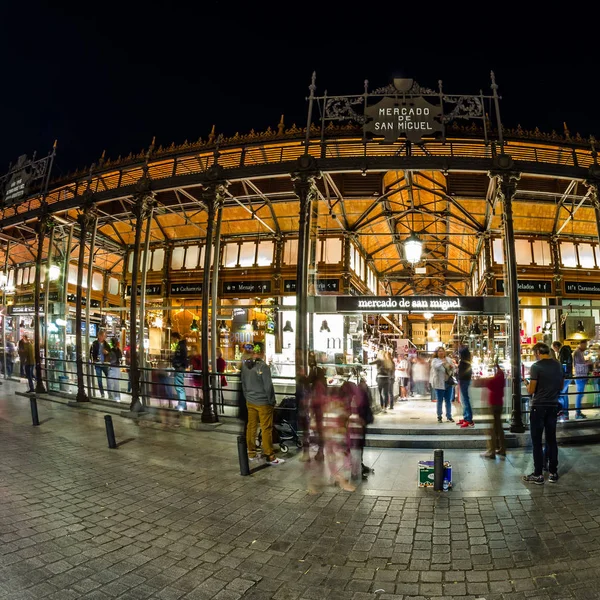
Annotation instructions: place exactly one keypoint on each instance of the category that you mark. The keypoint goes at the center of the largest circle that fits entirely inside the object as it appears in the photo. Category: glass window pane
(247, 252)
(290, 252)
(523, 252)
(541, 253)
(97, 281)
(265, 254)
(230, 255)
(85, 272)
(191, 257)
(158, 259)
(113, 286)
(597, 250)
(586, 256)
(11, 278)
(567, 254)
(148, 261)
(352, 258)
(332, 253)
(177, 258)
(498, 248)
(130, 263)
(20, 276)
(73, 274)
(32, 274)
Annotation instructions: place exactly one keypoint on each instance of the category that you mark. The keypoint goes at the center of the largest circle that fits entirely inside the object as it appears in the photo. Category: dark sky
(113, 75)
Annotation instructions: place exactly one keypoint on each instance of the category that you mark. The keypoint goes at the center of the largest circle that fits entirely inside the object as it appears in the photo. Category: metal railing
(586, 406)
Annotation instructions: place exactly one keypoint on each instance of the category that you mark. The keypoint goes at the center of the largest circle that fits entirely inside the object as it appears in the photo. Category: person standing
(196, 364)
(28, 362)
(564, 355)
(465, 374)
(99, 355)
(582, 371)
(114, 373)
(385, 371)
(180, 363)
(403, 367)
(442, 374)
(10, 357)
(221, 368)
(21, 352)
(259, 393)
(544, 385)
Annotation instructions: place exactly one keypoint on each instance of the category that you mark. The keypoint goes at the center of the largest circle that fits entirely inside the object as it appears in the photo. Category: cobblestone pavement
(168, 516)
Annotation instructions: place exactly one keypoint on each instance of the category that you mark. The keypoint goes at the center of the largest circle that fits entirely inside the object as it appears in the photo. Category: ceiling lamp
(580, 327)
(288, 327)
(194, 325)
(324, 327)
(413, 247)
(428, 316)
(54, 273)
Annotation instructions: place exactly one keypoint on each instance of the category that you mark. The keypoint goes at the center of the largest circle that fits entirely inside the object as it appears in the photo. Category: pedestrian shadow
(46, 420)
(126, 441)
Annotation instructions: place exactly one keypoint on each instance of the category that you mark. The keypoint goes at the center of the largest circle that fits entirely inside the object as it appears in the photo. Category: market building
(401, 218)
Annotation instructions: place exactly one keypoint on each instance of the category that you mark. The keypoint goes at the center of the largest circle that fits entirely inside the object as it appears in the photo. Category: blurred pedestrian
(495, 400)
(10, 357)
(385, 372)
(582, 370)
(21, 352)
(222, 379)
(361, 416)
(403, 372)
(565, 358)
(196, 365)
(336, 415)
(114, 374)
(180, 363)
(29, 360)
(465, 373)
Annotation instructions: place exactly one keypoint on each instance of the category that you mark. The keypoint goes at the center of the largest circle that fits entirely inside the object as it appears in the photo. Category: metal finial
(313, 83)
(493, 78)
(366, 86)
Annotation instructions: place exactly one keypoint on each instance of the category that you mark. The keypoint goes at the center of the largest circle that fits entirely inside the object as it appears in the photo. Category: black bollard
(243, 456)
(110, 432)
(34, 413)
(438, 470)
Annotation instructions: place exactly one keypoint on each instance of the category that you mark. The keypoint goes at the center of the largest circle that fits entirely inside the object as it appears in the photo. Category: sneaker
(580, 416)
(532, 478)
(450, 420)
(466, 424)
(275, 461)
(439, 419)
(488, 454)
(460, 422)
(553, 477)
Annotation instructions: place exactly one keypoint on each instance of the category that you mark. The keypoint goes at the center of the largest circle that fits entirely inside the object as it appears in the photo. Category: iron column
(86, 220)
(507, 178)
(212, 195)
(144, 201)
(304, 187)
(44, 225)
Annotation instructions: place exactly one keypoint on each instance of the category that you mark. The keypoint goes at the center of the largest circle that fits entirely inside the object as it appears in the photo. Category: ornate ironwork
(467, 107)
(340, 109)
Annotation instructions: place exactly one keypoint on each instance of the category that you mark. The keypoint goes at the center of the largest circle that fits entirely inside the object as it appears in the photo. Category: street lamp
(413, 247)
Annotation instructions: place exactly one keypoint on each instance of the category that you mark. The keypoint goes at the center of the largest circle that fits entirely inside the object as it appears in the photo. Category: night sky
(110, 76)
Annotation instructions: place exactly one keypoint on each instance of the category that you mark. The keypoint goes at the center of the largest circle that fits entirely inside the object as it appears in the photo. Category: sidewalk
(167, 515)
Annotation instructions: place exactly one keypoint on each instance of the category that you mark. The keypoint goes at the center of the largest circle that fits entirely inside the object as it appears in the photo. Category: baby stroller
(284, 425)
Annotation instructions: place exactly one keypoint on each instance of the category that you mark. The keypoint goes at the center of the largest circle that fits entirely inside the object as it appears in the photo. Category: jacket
(257, 384)
(441, 370)
(179, 361)
(96, 355)
(565, 358)
(464, 370)
(495, 387)
(29, 354)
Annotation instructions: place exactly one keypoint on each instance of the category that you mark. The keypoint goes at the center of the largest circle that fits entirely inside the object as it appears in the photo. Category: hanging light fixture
(324, 327)
(169, 325)
(580, 327)
(54, 272)
(288, 327)
(428, 316)
(413, 248)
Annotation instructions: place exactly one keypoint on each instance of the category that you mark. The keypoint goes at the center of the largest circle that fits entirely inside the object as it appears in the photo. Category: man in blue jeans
(582, 371)
(180, 364)
(545, 385)
(99, 355)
